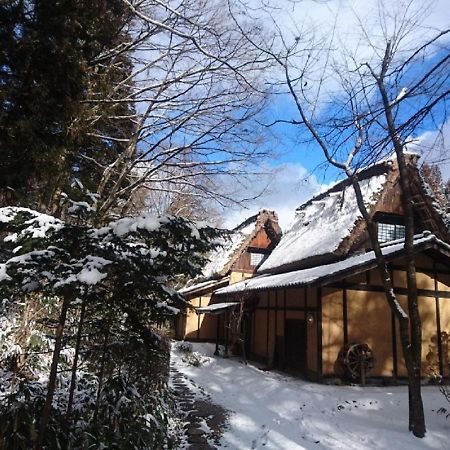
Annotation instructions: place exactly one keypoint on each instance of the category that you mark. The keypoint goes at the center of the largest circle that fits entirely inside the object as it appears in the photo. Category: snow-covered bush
(432, 368)
(194, 359)
(184, 347)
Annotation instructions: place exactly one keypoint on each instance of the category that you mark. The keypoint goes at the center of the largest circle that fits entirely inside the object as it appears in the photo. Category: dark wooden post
(438, 322)
(216, 353)
(226, 334)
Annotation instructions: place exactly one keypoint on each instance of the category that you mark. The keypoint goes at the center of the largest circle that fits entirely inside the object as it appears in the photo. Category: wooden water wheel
(357, 360)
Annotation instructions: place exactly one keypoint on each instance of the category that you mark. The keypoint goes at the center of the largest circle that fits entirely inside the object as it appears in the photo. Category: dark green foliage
(119, 277)
(49, 68)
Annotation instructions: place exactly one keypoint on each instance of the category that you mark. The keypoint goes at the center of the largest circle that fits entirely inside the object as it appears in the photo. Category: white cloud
(290, 186)
(345, 15)
(340, 28)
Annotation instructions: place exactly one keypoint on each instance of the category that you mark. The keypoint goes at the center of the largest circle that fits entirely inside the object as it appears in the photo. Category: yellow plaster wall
(203, 322)
(276, 322)
(332, 329)
(380, 323)
(369, 322)
(427, 311)
(239, 276)
(192, 318)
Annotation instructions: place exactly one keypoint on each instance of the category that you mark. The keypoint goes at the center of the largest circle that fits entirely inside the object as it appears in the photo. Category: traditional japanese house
(317, 306)
(240, 253)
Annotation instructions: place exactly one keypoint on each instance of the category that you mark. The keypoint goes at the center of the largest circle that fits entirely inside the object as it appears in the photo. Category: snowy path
(270, 410)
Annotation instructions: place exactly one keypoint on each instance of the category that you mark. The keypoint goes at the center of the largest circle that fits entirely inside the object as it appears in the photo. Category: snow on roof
(315, 275)
(217, 308)
(230, 244)
(323, 222)
(204, 285)
(440, 209)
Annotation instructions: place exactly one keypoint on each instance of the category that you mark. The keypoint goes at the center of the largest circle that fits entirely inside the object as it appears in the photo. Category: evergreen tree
(107, 288)
(54, 59)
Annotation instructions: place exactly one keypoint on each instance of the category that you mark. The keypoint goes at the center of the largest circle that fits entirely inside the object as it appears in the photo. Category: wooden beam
(423, 270)
(319, 333)
(438, 322)
(345, 315)
(267, 330)
(198, 317)
(398, 290)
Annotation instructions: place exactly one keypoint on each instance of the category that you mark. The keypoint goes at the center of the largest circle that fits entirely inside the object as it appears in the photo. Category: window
(256, 258)
(390, 232)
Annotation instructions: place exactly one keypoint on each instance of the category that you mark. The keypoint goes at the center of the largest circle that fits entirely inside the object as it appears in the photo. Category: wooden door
(295, 342)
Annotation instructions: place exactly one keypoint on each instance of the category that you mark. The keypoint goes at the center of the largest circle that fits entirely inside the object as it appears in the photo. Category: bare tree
(197, 87)
(364, 103)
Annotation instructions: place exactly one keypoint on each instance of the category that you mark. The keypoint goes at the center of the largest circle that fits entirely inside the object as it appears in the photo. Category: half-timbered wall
(356, 310)
(203, 326)
(269, 340)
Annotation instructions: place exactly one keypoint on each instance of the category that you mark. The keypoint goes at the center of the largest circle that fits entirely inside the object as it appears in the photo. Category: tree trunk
(75, 359)
(101, 375)
(409, 324)
(52, 377)
(413, 353)
(416, 413)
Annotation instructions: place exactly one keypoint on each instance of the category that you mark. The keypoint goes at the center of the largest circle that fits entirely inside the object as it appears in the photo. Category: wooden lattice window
(390, 232)
(256, 258)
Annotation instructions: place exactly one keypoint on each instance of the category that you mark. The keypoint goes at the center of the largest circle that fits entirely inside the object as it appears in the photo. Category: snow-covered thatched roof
(325, 221)
(236, 241)
(333, 272)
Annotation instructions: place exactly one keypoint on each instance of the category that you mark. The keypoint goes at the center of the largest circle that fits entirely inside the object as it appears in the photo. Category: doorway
(295, 345)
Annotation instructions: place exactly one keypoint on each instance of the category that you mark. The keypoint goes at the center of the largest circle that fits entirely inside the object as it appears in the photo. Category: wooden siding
(353, 310)
(261, 240)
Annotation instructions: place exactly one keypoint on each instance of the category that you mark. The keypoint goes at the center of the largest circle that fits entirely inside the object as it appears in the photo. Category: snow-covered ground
(270, 410)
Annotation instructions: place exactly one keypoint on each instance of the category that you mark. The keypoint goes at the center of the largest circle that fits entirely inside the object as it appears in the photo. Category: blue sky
(300, 171)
